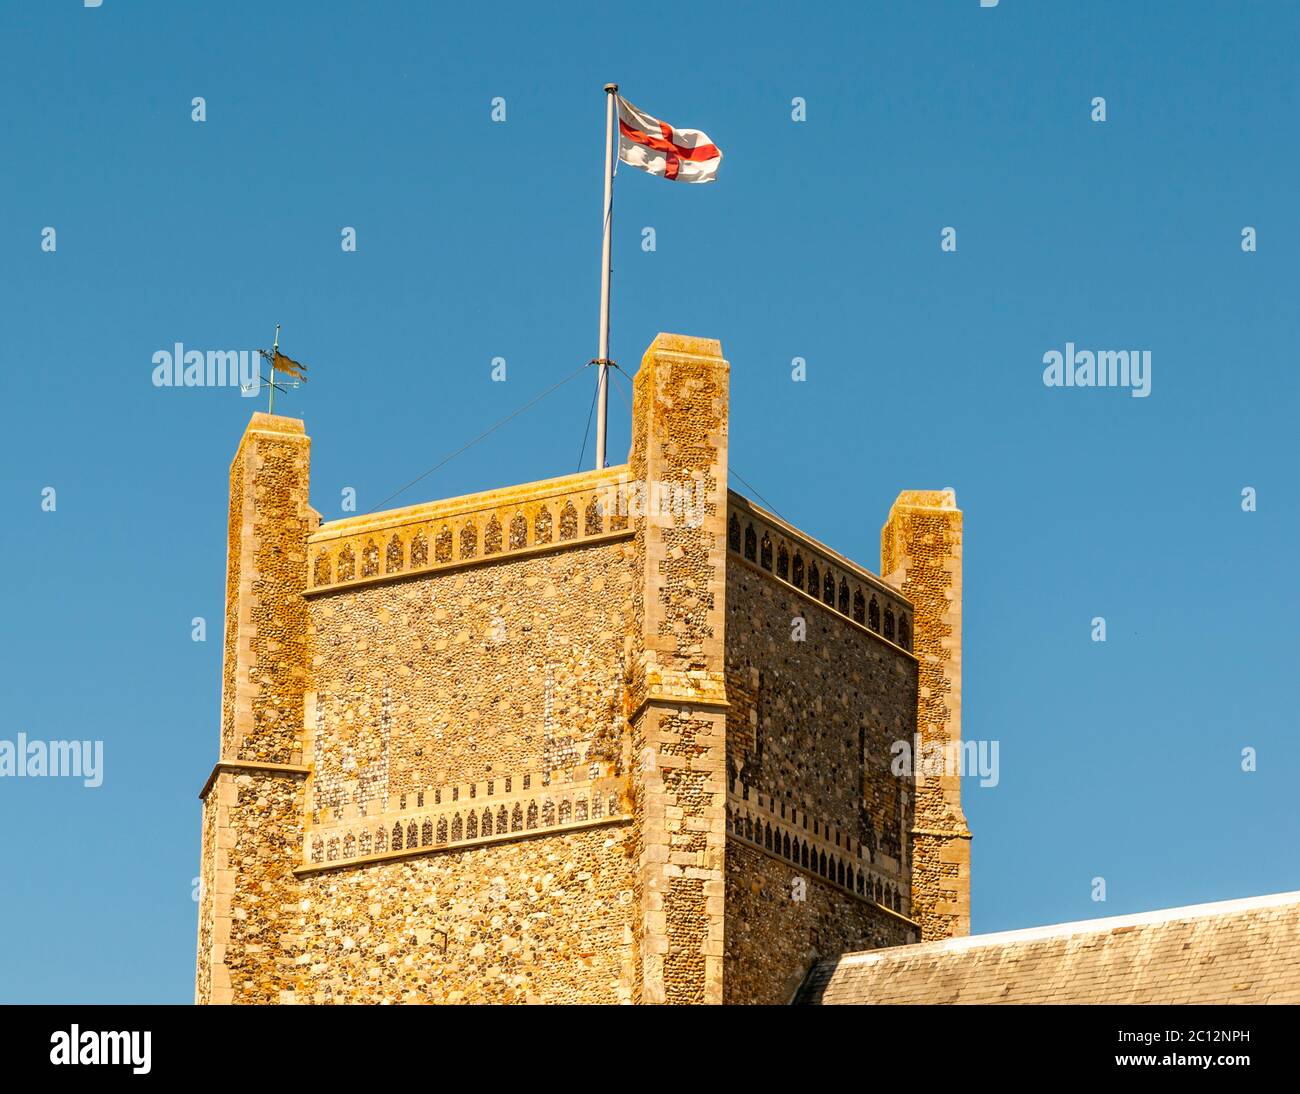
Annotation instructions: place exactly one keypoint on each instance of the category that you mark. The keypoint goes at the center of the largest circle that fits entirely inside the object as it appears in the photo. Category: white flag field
(683, 155)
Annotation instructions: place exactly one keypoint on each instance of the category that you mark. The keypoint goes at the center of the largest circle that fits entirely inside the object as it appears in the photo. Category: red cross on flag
(684, 155)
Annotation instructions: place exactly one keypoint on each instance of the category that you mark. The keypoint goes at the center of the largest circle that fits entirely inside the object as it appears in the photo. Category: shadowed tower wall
(821, 682)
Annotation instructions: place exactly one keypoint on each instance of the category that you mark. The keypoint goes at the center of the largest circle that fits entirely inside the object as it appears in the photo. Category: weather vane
(280, 363)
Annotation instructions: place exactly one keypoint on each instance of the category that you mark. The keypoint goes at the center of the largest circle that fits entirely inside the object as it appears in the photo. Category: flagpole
(611, 100)
(275, 346)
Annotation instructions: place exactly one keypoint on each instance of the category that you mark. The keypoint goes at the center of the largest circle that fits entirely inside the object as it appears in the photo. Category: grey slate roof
(1239, 951)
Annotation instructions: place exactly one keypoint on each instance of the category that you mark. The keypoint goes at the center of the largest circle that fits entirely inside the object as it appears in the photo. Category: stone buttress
(920, 554)
(677, 695)
(253, 800)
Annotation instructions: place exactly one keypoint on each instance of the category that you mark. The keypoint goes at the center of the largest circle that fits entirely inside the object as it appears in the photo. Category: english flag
(683, 155)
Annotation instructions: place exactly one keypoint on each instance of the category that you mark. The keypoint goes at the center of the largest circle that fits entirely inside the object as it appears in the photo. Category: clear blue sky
(820, 240)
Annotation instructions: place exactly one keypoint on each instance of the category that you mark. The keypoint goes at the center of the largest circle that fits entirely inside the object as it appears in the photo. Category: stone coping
(247, 766)
(880, 584)
(467, 503)
(677, 701)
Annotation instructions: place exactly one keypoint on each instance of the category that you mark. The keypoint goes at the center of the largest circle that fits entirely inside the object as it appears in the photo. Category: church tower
(617, 736)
